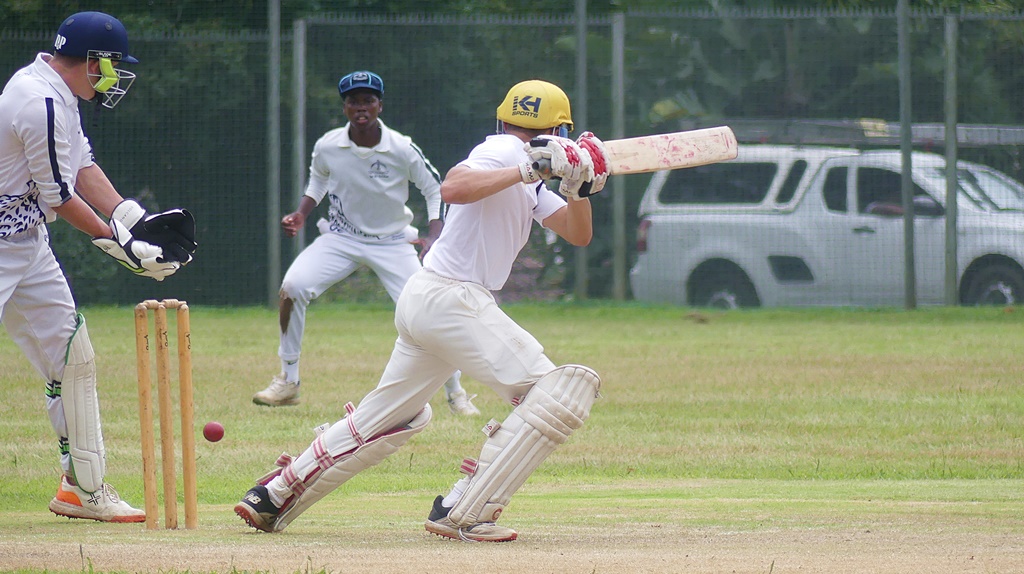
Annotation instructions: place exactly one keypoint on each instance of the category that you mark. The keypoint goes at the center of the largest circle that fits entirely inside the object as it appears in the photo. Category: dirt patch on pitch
(652, 548)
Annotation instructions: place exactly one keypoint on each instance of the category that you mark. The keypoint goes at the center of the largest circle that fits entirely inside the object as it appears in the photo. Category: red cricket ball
(213, 431)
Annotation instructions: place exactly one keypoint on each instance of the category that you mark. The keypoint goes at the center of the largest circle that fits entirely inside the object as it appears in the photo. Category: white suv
(801, 225)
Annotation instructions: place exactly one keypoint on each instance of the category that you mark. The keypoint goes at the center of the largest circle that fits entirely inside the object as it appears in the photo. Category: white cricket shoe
(462, 404)
(438, 523)
(280, 393)
(104, 505)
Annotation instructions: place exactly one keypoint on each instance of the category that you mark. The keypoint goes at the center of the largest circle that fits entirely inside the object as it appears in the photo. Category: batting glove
(595, 147)
(556, 157)
(562, 163)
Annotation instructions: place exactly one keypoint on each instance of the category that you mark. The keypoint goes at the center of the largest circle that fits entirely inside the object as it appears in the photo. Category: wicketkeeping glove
(174, 231)
(139, 257)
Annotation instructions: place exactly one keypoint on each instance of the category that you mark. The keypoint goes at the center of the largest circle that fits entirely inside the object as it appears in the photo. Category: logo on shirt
(528, 106)
(378, 170)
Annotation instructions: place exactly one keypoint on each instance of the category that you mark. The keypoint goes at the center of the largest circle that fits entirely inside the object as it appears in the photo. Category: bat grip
(543, 168)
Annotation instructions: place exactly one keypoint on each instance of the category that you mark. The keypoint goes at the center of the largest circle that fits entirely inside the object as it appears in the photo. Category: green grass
(752, 420)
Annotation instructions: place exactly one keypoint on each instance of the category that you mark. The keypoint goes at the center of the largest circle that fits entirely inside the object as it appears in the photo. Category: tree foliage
(235, 15)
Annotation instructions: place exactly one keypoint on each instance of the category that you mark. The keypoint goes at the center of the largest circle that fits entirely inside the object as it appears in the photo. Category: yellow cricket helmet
(537, 105)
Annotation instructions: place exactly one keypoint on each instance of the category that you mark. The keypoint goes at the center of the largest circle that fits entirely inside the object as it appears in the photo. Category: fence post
(582, 282)
(619, 269)
(952, 269)
(906, 148)
(274, 152)
(299, 129)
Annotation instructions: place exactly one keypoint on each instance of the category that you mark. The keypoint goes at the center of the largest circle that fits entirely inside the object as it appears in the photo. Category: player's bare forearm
(293, 222)
(467, 185)
(434, 231)
(78, 213)
(573, 223)
(94, 186)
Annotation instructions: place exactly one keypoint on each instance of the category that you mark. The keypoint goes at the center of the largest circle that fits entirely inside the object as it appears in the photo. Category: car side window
(834, 191)
(745, 183)
(880, 192)
(788, 190)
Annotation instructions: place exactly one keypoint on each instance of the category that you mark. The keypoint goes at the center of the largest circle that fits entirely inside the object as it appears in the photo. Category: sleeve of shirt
(427, 179)
(486, 156)
(47, 148)
(319, 176)
(548, 202)
(87, 158)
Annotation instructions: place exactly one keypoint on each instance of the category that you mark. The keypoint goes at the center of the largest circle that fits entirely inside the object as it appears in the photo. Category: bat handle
(543, 167)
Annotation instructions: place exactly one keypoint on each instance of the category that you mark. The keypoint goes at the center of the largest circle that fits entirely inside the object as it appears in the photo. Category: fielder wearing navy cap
(363, 79)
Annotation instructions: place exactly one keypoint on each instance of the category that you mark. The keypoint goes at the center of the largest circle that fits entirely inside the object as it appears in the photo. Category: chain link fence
(192, 132)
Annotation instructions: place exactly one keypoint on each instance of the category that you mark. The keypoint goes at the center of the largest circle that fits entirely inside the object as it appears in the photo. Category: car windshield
(988, 189)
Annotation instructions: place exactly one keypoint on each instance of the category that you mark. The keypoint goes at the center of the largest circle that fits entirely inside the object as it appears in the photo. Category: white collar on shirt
(42, 67)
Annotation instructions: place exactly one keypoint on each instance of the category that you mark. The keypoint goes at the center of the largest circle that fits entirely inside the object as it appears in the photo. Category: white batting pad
(556, 406)
(82, 411)
(327, 471)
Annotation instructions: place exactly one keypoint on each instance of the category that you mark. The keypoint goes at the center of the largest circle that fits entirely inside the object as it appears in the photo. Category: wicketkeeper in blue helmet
(102, 42)
(47, 169)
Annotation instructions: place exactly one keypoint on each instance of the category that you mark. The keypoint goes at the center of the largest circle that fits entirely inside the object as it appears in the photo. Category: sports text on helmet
(364, 79)
(535, 104)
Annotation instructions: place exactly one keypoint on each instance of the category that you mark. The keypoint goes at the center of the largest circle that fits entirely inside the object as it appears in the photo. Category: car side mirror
(926, 206)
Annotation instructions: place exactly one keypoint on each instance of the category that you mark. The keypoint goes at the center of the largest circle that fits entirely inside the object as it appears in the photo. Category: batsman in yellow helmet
(447, 318)
(536, 105)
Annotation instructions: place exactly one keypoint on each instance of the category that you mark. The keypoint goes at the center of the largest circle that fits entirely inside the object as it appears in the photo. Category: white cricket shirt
(369, 187)
(481, 240)
(42, 146)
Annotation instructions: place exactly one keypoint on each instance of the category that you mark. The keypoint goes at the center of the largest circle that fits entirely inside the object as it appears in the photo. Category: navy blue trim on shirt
(430, 166)
(51, 145)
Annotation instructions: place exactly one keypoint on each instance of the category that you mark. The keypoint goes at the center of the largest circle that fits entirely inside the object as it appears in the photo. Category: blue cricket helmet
(93, 34)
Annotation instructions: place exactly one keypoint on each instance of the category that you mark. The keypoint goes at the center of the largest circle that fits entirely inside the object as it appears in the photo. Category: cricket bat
(675, 150)
(671, 151)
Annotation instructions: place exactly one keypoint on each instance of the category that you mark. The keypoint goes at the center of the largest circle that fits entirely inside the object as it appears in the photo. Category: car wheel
(723, 289)
(996, 285)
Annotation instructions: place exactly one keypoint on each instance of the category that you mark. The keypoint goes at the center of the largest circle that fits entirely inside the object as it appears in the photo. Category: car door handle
(860, 230)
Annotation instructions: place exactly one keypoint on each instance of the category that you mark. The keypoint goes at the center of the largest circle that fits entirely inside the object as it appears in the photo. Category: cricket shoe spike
(257, 510)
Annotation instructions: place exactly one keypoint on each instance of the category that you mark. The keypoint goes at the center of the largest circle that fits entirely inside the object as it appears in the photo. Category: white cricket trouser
(38, 311)
(441, 323)
(331, 258)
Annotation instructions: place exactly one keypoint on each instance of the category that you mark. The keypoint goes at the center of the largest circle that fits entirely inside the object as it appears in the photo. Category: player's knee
(292, 293)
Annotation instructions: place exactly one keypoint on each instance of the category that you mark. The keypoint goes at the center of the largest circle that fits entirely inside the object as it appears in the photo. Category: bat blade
(671, 151)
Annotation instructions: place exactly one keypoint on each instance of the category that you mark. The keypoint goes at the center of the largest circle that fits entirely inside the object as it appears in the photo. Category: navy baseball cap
(93, 34)
(362, 79)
